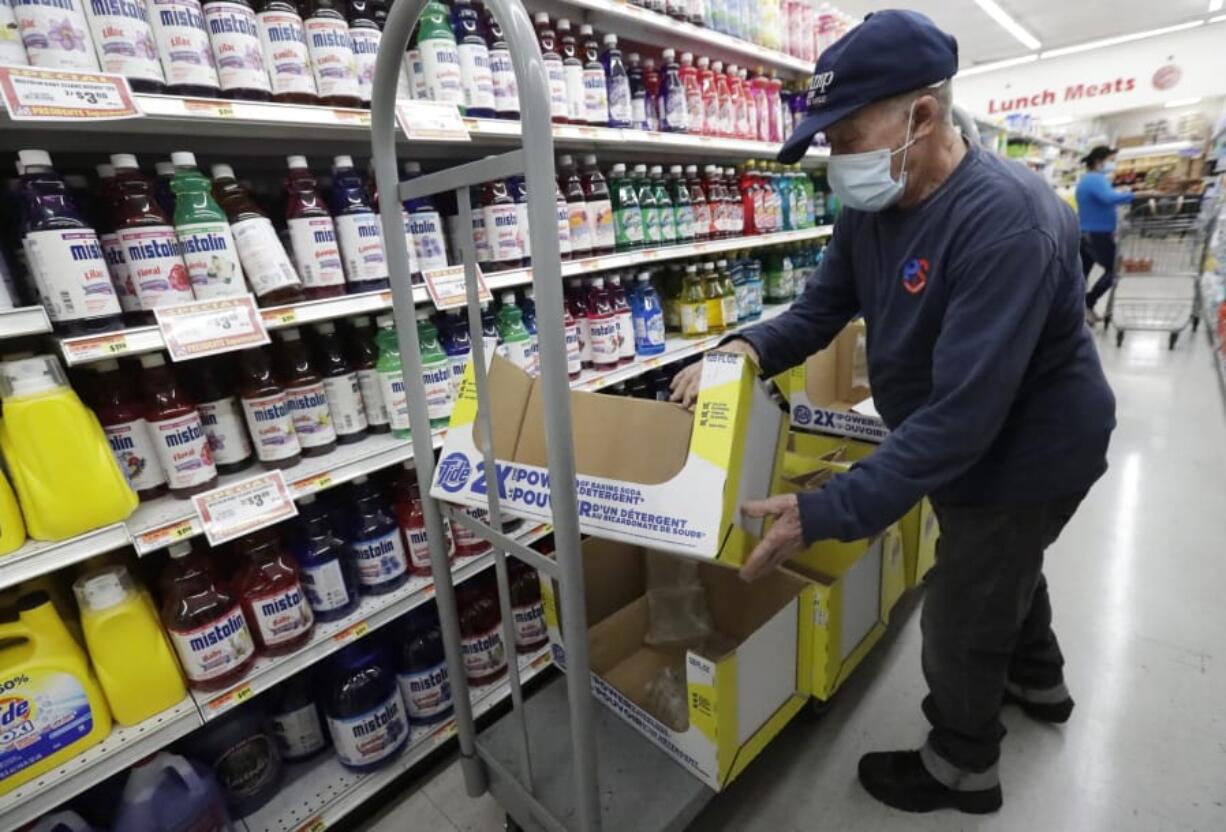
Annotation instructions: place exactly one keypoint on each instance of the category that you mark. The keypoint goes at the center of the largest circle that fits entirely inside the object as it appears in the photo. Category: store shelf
(211, 126)
(372, 613)
(123, 748)
(319, 793)
(24, 320)
(136, 340)
(37, 558)
(1016, 135)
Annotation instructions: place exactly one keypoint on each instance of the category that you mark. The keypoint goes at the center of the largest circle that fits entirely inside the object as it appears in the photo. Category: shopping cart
(1158, 267)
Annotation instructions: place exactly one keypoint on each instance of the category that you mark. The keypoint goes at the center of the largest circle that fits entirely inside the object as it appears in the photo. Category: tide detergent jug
(66, 477)
(51, 707)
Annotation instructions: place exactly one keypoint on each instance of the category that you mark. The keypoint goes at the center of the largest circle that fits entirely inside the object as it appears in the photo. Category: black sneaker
(1056, 713)
(900, 779)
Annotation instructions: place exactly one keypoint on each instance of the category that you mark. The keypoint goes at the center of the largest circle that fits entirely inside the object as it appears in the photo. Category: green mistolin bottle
(391, 376)
(647, 205)
(516, 340)
(627, 214)
(204, 233)
(435, 372)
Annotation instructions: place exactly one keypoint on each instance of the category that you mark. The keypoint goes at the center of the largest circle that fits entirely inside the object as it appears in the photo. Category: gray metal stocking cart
(555, 762)
(1157, 277)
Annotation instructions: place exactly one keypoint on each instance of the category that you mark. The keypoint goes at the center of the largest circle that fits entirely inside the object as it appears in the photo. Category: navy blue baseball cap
(890, 53)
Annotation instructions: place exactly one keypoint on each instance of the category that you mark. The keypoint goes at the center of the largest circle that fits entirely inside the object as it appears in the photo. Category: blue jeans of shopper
(1098, 247)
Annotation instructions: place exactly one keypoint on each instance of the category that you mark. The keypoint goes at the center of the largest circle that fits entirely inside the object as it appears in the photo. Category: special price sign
(243, 507)
(33, 94)
(447, 287)
(207, 327)
(432, 121)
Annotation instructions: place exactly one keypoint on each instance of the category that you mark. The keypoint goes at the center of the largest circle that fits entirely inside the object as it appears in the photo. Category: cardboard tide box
(649, 473)
(828, 392)
(738, 696)
(807, 452)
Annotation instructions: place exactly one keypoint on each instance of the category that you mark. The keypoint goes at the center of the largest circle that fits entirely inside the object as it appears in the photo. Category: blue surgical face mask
(863, 181)
(1108, 167)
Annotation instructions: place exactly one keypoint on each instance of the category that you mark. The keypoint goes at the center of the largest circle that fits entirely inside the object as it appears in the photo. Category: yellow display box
(739, 695)
(650, 473)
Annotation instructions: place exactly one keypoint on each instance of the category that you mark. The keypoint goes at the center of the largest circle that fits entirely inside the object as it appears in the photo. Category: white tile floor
(1140, 608)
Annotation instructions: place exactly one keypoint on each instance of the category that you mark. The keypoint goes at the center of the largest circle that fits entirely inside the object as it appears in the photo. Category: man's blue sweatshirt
(980, 360)
(1096, 201)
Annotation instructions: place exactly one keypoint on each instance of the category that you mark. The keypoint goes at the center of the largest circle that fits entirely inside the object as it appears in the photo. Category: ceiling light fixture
(1181, 102)
(1099, 44)
(1010, 25)
(976, 70)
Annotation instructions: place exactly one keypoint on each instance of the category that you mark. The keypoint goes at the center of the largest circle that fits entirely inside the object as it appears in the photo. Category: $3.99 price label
(40, 94)
(206, 327)
(243, 507)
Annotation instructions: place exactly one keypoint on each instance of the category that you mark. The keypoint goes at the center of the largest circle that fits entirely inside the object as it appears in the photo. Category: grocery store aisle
(1136, 584)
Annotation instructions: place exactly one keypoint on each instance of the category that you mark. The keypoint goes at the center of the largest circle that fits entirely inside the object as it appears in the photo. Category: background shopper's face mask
(863, 181)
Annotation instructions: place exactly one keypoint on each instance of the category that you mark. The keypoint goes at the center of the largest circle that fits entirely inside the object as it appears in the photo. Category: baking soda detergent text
(269, 271)
(235, 37)
(358, 229)
(305, 394)
(125, 42)
(122, 415)
(208, 248)
(286, 58)
(178, 435)
(55, 34)
(205, 623)
(272, 596)
(65, 256)
(53, 708)
(324, 567)
(183, 44)
(422, 667)
(266, 408)
(150, 245)
(375, 542)
(440, 56)
(341, 385)
(331, 50)
(391, 377)
(363, 706)
(312, 234)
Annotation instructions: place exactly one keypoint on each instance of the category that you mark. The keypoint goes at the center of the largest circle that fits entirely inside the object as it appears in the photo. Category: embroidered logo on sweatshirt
(915, 275)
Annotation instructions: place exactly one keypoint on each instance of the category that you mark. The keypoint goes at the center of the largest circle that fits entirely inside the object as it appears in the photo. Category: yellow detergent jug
(12, 529)
(51, 707)
(66, 478)
(136, 668)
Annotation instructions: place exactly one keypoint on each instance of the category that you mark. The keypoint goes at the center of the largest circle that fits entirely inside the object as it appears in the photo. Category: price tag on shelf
(359, 117)
(447, 288)
(315, 824)
(229, 699)
(243, 507)
(210, 107)
(207, 327)
(78, 350)
(33, 94)
(352, 633)
(432, 121)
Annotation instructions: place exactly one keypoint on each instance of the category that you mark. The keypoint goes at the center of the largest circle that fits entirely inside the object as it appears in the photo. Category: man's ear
(927, 115)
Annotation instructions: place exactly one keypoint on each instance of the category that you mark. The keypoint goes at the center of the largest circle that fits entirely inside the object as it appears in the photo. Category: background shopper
(1096, 208)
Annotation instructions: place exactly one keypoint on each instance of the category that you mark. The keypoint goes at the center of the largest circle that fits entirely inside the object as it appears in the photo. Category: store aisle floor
(1136, 581)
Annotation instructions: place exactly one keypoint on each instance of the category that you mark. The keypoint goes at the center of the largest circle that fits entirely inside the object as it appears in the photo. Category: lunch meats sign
(1124, 77)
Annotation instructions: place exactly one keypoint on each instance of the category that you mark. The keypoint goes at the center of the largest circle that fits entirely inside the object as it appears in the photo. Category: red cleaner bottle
(304, 393)
(108, 200)
(312, 234)
(576, 208)
(66, 260)
(178, 436)
(527, 611)
(205, 623)
(485, 656)
(221, 415)
(267, 411)
(602, 326)
(235, 36)
(576, 307)
(710, 100)
(272, 597)
(286, 57)
(599, 207)
(363, 354)
(624, 319)
(150, 245)
(412, 522)
(723, 101)
(122, 415)
(698, 203)
(555, 71)
(268, 268)
(693, 94)
(341, 384)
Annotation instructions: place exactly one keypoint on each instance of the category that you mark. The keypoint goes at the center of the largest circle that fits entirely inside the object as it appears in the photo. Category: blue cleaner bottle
(674, 117)
(325, 568)
(357, 229)
(489, 329)
(617, 82)
(638, 93)
(475, 75)
(425, 229)
(375, 542)
(421, 666)
(453, 330)
(363, 706)
(648, 315)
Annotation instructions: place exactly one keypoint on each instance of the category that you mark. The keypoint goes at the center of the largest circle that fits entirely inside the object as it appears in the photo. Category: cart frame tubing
(538, 167)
